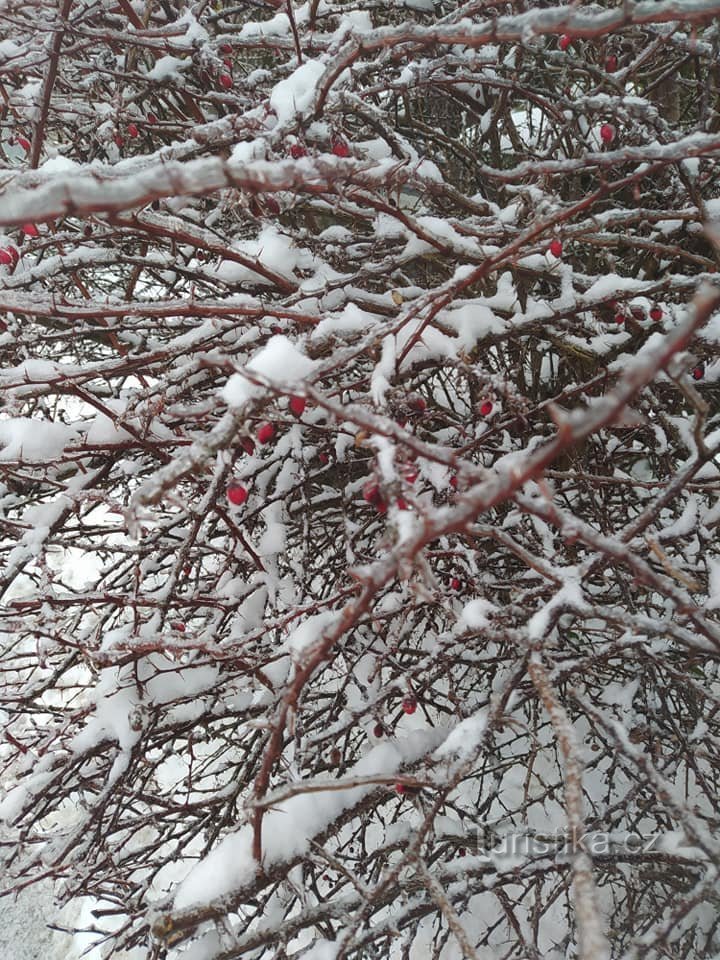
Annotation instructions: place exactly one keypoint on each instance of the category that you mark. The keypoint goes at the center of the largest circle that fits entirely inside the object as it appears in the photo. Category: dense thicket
(359, 479)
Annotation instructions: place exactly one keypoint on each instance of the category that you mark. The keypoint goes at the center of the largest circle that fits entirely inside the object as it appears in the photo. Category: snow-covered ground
(24, 931)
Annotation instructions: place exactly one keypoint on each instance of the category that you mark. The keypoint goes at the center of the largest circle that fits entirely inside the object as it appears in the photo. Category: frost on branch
(359, 477)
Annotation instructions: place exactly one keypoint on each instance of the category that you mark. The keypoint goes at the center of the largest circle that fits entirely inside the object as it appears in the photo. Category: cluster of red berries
(373, 495)
(611, 62)
(339, 147)
(237, 494)
(655, 313)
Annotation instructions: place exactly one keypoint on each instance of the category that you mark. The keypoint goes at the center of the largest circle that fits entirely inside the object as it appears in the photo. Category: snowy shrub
(359, 476)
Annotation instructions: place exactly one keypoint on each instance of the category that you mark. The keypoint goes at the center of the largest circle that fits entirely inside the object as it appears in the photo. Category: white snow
(475, 614)
(23, 438)
(290, 825)
(685, 523)
(465, 737)
(277, 26)
(384, 371)
(168, 68)
(310, 632)
(570, 594)
(473, 321)
(713, 601)
(322, 950)
(114, 708)
(295, 94)
(350, 320)
(280, 360)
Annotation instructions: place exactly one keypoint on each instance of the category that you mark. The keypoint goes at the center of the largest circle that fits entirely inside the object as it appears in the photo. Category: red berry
(236, 494)
(486, 408)
(323, 458)
(619, 318)
(266, 433)
(371, 493)
(607, 133)
(24, 143)
(226, 80)
(14, 255)
(455, 583)
(132, 130)
(409, 705)
(611, 64)
(30, 230)
(698, 372)
(225, 48)
(418, 403)
(247, 445)
(297, 151)
(378, 730)
(638, 313)
(5, 257)
(656, 313)
(411, 475)
(400, 788)
(271, 204)
(152, 119)
(297, 406)
(564, 41)
(556, 248)
(179, 626)
(402, 503)
(228, 63)
(461, 851)
(340, 148)
(276, 329)
(454, 482)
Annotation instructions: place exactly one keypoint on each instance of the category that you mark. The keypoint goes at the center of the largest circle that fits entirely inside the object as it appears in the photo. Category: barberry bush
(359, 476)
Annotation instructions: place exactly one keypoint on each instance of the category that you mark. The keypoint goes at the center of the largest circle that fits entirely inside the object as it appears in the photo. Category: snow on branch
(359, 477)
